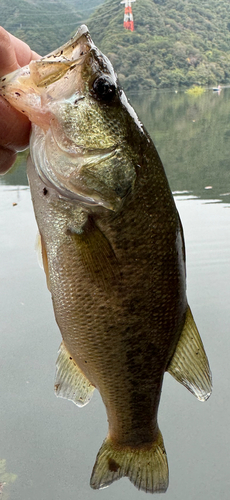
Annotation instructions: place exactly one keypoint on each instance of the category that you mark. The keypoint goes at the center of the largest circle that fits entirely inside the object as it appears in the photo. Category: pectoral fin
(97, 255)
(189, 365)
(42, 257)
(70, 382)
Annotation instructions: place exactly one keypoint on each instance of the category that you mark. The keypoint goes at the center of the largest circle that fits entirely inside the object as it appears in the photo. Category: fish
(113, 253)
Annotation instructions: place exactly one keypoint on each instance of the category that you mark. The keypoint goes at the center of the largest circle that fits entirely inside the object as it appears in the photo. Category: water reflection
(192, 135)
(17, 174)
(49, 443)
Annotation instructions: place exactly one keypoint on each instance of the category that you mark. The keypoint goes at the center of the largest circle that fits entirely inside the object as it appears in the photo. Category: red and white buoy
(128, 16)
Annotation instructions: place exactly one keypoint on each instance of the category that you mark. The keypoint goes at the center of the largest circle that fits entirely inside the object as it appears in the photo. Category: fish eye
(104, 89)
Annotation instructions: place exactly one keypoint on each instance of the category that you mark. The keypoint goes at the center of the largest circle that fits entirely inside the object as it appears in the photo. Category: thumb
(8, 60)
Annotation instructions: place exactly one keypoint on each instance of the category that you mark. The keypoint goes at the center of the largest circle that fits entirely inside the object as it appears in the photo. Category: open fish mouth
(63, 59)
(39, 90)
(26, 88)
(73, 145)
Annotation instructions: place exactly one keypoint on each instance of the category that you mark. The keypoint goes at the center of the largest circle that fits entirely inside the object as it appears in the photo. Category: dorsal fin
(189, 365)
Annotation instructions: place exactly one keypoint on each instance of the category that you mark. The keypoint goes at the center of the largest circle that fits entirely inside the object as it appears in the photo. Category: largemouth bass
(113, 252)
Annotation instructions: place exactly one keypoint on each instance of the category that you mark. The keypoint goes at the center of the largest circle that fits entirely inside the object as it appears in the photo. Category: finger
(23, 52)
(15, 127)
(7, 159)
(13, 53)
(8, 60)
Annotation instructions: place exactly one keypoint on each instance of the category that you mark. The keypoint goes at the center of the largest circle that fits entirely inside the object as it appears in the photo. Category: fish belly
(120, 334)
(115, 319)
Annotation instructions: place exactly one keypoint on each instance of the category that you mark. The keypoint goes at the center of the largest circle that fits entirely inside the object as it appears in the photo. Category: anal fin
(70, 382)
(189, 365)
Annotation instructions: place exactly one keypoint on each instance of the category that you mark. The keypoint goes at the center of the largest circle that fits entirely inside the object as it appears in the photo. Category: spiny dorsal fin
(70, 382)
(146, 467)
(189, 365)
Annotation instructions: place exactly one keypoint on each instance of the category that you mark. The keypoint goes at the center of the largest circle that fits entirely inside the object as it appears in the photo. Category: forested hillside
(43, 24)
(175, 42)
(85, 7)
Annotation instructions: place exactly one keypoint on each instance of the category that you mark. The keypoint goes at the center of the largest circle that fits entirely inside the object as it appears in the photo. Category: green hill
(44, 25)
(85, 7)
(175, 42)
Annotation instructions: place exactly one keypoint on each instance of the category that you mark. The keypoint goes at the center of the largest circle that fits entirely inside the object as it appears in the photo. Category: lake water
(49, 443)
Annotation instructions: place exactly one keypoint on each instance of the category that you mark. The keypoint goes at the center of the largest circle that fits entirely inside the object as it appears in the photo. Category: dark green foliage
(85, 7)
(44, 25)
(175, 42)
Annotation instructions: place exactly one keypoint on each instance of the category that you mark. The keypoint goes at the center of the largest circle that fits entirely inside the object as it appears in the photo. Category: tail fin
(146, 468)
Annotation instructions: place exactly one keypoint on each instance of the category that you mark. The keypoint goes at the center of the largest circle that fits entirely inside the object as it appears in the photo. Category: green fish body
(113, 252)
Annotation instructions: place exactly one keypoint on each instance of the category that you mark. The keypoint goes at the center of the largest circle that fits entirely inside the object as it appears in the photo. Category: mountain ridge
(175, 42)
(44, 25)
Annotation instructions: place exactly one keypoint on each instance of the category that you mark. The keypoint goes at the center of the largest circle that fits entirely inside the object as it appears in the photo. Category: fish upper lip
(83, 30)
(59, 55)
(73, 43)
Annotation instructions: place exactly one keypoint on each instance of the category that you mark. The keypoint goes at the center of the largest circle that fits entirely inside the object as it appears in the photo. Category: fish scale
(113, 253)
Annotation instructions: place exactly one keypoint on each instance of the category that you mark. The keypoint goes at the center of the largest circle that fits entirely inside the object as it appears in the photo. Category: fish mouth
(26, 87)
(52, 67)
(35, 90)
(73, 49)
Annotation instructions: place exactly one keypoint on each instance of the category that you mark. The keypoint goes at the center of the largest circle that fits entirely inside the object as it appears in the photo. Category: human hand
(14, 126)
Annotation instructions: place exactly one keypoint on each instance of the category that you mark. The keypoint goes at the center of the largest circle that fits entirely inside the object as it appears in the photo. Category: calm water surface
(49, 443)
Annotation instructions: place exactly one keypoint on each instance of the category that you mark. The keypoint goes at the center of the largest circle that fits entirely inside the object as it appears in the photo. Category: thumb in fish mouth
(14, 53)
(14, 134)
(15, 127)
(40, 91)
(23, 88)
(7, 159)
